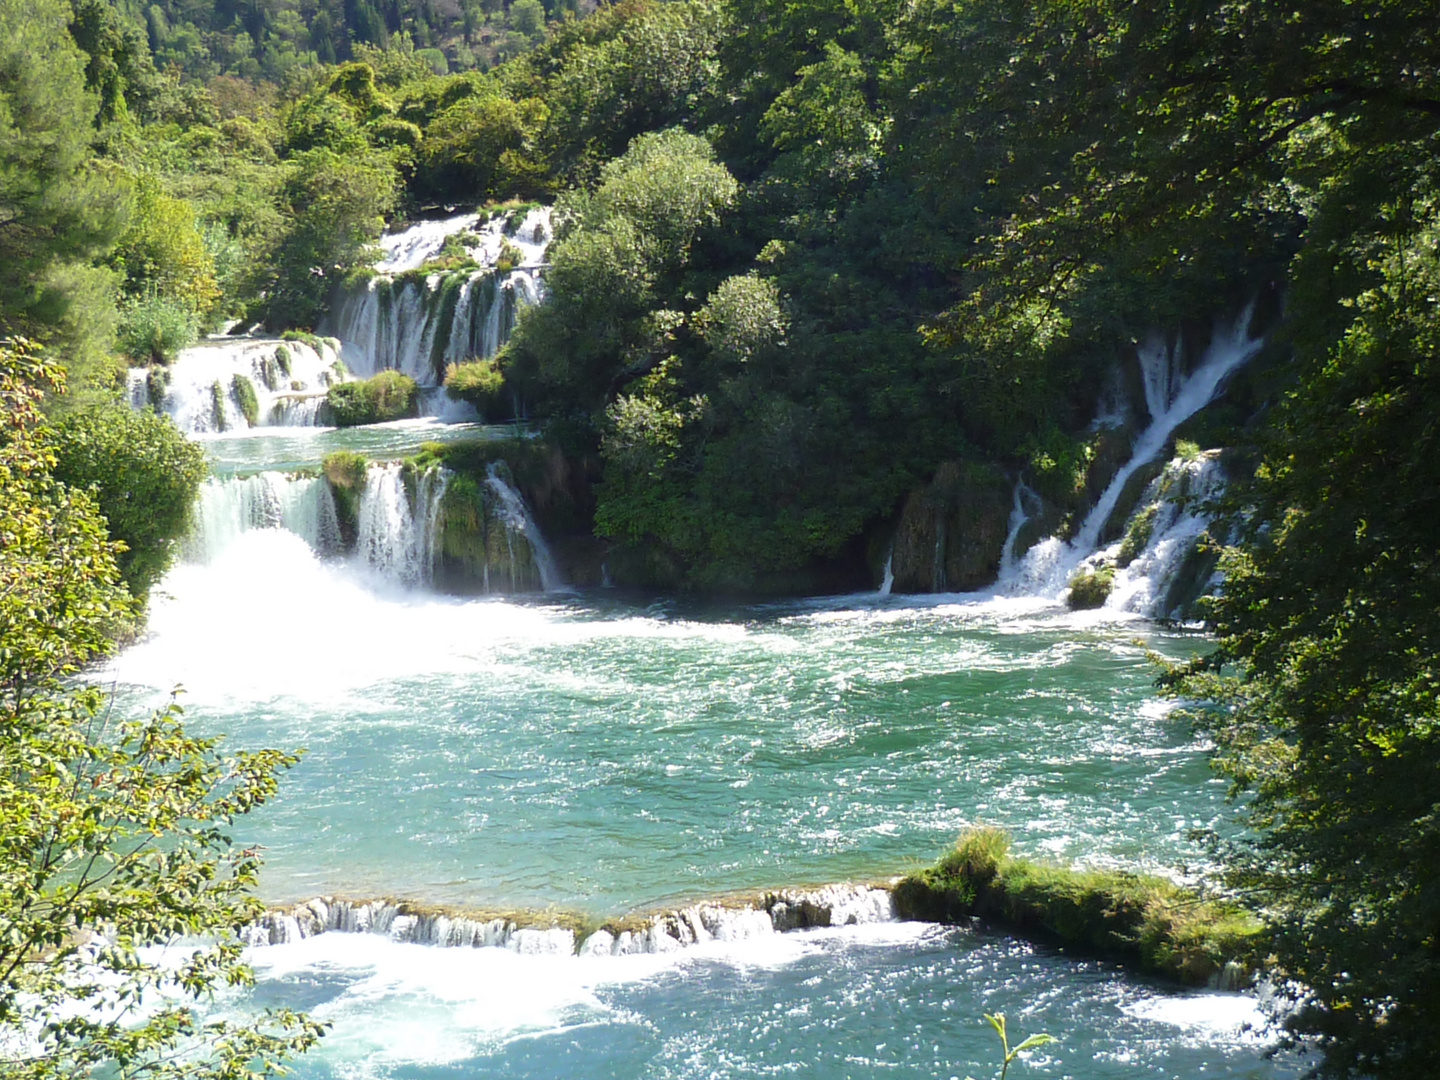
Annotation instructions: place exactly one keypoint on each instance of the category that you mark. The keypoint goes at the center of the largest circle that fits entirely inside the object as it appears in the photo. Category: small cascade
(418, 326)
(222, 384)
(518, 522)
(1161, 537)
(407, 320)
(1019, 516)
(1172, 398)
(887, 576)
(665, 932)
(416, 245)
(233, 505)
(398, 533)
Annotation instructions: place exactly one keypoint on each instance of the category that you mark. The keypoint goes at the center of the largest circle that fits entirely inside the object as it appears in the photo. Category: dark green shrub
(155, 328)
(145, 475)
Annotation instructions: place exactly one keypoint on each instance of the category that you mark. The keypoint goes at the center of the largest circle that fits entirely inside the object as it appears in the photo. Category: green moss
(481, 383)
(245, 397)
(1089, 588)
(157, 385)
(1150, 923)
(217, 404)
(346, 471)
(509, 257)
(303, 336)
(1137, 534)
(282, 358)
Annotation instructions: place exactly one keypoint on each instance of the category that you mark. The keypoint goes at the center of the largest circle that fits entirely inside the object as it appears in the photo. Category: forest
(807, 259)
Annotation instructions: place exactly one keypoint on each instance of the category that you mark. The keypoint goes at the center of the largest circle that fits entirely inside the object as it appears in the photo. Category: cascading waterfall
(418, 325)
(887, 575)
(1162, 535)
(206, 388)
(399, 541)
(832, 905)
(1171, 398)
(1019, 516)
(230, 506)
(518, 521)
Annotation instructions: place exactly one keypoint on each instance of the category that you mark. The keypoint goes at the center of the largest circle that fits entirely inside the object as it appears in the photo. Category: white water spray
(230, 506)
(397, 540)
(201, 389)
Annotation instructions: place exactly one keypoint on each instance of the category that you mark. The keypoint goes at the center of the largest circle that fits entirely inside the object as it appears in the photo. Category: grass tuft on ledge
(1148, 923)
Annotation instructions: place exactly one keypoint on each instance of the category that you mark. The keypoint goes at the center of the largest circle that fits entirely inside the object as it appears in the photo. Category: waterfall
(887, 576)
(664, 932)
(1229, 348)
(233, 505)
(209, 385)
(417, 327)
(418, 322)
(1171, 398)
(517, 519)
(397, 540)
(1018, 517)
(1162, 534)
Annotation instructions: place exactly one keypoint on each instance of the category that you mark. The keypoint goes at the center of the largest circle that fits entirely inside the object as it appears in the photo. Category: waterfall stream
(519, 521)
(403, 320)
(1171, 398)
(395, 539)
(234, 505)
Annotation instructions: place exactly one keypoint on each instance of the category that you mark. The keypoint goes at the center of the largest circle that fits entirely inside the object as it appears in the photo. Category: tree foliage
(58, 212)
(113, 833)
(144, 476)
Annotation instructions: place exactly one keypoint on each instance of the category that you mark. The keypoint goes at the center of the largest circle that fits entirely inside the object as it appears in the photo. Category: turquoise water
(613, 754)
(289, 449)
(593, 754)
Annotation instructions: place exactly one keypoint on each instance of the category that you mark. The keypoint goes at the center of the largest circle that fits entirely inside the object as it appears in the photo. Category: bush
(1089, 588)
(155, 328)
(480, 382)
(144, 474)
(388, 396)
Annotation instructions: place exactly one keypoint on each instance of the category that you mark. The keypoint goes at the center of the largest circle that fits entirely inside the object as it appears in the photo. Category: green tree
(1329, 616)
(144, 476)
(58, 211)
(112, 833)
(336, 206)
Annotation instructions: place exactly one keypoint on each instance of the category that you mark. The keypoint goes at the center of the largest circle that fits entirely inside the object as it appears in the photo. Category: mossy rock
(1131, 495)
(1148, 923)
(246, 398)
(1191, 580)
(1137, 535)
(346, 472)
(1089, 589)
(951, 533)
